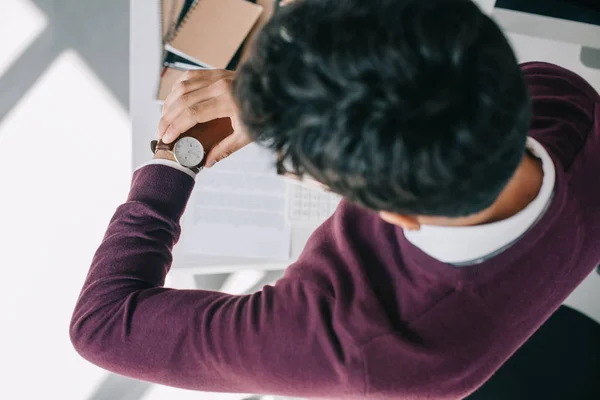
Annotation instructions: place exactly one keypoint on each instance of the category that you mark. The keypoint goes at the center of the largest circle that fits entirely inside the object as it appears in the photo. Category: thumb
(226, 147)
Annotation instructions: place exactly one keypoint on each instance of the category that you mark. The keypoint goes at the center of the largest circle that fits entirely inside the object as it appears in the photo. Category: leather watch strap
(156, 145)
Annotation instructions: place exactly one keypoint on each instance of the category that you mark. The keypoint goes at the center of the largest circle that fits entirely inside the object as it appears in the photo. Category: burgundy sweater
(362, 313)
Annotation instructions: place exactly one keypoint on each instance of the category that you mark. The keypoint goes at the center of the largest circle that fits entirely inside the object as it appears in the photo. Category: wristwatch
(188, 151)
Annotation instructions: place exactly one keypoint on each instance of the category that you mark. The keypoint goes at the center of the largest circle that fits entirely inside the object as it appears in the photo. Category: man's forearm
(135, 253)
(278, 340)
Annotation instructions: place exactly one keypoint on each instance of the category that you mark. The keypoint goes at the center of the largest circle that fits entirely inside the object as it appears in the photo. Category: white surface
(486, 5)
(55, 215)
(145, 61)
(241, 281)
(549, 28)
(159, 392)
(144, 68)
(567, 55)
(20, 23)
(587, 297)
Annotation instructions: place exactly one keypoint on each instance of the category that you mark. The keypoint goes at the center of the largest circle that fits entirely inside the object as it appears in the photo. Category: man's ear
(404, 221)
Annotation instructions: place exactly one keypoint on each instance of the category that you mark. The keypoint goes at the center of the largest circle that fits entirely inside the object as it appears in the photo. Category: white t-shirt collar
(472, 244)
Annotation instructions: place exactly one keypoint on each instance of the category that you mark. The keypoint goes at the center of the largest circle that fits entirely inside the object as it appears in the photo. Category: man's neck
(522, 189)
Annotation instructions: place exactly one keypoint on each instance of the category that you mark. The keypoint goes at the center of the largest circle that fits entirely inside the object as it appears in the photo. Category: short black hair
(416, 107)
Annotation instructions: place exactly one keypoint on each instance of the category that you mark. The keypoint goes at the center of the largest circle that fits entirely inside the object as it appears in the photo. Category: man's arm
(279, 340)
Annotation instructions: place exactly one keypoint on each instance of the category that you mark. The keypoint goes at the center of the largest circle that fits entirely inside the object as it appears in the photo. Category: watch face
(188, 151)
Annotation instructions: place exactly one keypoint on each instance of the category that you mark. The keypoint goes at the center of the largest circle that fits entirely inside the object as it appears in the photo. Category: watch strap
(156, 145)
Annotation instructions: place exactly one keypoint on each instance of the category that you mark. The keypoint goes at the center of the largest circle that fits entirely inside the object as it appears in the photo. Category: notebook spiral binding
(163, 34)
(180, 24)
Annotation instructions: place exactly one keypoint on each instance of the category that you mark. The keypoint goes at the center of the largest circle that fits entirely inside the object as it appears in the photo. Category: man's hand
(200, 96)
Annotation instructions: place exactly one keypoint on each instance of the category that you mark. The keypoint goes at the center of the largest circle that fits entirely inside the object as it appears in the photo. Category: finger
(226, 147)
(203, 74)
(193, 80)
(178, 105)
(187, 100)
(213, 108)
(182, 124)
(181, 89)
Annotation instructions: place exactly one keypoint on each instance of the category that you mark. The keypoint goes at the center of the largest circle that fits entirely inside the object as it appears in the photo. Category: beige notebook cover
(214, 30)
(170, 10)
(268, 11)
(167, 80)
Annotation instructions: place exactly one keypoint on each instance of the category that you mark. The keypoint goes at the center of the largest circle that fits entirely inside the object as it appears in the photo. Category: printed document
(238, 209)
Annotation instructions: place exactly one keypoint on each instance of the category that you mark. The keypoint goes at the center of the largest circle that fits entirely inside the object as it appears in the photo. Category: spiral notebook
(174, 65)
(212, 31)
(169, 15)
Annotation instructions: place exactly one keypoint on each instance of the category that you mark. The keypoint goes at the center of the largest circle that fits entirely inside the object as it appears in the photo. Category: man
(471, 211)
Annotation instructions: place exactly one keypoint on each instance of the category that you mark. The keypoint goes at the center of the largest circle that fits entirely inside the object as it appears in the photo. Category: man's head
(412, 107)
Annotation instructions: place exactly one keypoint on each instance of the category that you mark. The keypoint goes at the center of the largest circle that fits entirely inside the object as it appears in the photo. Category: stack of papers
(238, 209)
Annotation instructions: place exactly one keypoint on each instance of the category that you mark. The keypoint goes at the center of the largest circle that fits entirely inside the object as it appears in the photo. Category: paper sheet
(238, 209)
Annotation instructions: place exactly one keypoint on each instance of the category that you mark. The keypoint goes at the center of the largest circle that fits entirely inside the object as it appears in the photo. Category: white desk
(486, 5)
(145, 113)
(145, 67)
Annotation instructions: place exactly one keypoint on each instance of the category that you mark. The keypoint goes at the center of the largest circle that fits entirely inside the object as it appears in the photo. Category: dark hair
(410, 106)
